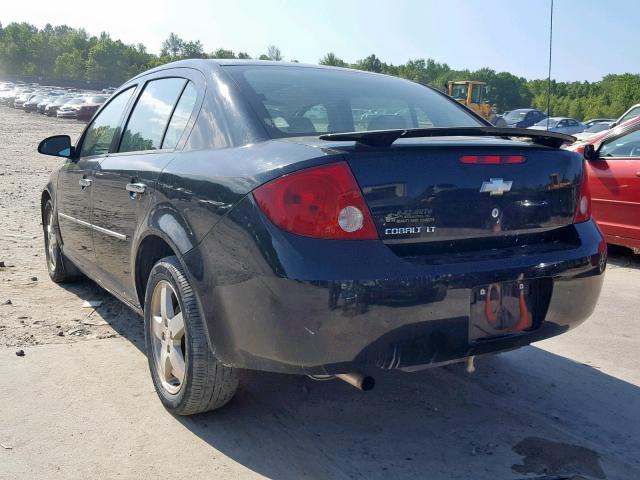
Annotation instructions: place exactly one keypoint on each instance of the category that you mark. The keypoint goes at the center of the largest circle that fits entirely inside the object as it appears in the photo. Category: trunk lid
(422, 192)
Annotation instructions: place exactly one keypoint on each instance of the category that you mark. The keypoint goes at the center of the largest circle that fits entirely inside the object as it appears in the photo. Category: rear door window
(148, 121)
(100, 134)
(180, 117)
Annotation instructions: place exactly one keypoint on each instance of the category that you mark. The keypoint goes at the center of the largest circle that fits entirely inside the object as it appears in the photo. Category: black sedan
(317, 221)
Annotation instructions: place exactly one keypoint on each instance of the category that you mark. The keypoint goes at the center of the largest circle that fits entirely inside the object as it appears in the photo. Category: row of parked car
(53, 101)
(537, 120)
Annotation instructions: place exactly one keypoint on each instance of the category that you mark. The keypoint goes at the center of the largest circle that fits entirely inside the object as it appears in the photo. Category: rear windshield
(598, 127)
(293, 101)
(516, 114)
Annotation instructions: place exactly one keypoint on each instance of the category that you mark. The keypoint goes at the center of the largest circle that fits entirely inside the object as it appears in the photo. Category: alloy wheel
(167, 337)
(52, 241)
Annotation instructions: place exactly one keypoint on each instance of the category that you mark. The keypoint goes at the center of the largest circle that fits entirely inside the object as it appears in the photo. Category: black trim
(385, 138)
(166, 127)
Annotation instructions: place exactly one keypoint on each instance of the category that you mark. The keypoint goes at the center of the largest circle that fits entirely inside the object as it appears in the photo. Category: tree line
(71, 53)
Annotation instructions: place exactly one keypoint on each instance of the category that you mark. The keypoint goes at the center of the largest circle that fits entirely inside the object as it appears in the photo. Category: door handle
(637, 174)
(85, 182)
(138, 188)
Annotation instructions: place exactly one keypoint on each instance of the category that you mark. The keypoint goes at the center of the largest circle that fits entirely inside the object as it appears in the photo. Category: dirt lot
(80, 403)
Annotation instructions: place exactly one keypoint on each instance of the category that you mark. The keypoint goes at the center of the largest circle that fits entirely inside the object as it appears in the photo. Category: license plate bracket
(501, 308)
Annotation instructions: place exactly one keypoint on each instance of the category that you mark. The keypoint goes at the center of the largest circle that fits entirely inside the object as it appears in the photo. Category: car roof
(210, 64)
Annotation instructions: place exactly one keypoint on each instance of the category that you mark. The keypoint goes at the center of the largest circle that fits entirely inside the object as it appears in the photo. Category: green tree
(332, 60)
(192, 50)
(370, 64)
(63, 51)
(70, 65)
(172, 46)
(222, 53)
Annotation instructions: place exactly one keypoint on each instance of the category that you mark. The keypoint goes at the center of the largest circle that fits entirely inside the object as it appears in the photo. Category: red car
(91, 106)
(613, 167)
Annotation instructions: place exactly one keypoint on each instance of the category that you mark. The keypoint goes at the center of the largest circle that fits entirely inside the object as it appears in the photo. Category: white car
(566, 125)
(593, 130)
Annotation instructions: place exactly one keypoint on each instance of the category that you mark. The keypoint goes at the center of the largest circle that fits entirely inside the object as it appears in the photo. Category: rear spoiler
(385, 138)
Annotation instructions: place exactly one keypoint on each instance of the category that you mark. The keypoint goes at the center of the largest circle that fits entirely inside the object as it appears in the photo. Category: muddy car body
(288, 233)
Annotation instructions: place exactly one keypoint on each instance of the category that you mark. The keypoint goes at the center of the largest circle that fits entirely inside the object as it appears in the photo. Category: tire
(60, 268)
(187, 377)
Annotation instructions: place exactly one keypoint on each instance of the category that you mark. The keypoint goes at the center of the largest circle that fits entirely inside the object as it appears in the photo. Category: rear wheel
(60, 269)
(187, 376)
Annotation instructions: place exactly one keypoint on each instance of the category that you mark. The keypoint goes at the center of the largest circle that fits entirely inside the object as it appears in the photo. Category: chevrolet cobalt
(317, 221)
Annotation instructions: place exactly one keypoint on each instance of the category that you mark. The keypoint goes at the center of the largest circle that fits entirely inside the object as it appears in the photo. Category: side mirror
(57, 146)
(590, 152)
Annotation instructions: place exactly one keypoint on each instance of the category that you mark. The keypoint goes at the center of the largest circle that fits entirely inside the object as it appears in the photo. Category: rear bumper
(280, 302)
(66, 114)
(83, 115)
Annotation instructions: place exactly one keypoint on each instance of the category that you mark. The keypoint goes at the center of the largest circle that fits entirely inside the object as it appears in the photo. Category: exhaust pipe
(471, 366)
(358, 380)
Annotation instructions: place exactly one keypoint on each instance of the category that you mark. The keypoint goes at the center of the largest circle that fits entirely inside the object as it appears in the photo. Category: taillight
(321, 202)
(492, 159)
(583, 208)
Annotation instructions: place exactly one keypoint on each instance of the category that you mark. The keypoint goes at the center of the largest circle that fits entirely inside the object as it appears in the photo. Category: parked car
(254, 237)
(593, 121)
(520, 118)
(90, 106)
(7, 95)
(578, 146)
(31, 105)
(21, 97)
(71, 108)
(565, 125)
(594, 129)
(633, 112)
(613, 163)
(52, 97)
(51, 110)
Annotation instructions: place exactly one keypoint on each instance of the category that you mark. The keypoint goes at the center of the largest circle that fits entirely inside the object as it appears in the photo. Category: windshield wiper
(385, 138)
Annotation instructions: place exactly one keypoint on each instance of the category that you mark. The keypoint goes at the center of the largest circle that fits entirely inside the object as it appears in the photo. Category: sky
(592, 38)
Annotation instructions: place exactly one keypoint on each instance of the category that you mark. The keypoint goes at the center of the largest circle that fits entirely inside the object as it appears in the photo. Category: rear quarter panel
(200, 187)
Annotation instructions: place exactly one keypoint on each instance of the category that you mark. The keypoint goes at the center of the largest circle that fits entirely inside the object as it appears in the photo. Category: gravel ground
(80, 403)
(40, 312)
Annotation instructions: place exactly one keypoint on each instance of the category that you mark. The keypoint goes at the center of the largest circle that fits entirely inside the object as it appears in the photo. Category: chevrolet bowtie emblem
(496, 186)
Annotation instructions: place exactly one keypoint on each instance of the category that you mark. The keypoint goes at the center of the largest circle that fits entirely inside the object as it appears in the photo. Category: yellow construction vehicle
(473, 94)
